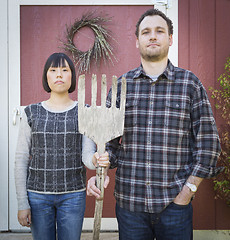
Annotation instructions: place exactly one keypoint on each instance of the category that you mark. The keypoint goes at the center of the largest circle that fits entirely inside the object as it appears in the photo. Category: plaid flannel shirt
(169, 134)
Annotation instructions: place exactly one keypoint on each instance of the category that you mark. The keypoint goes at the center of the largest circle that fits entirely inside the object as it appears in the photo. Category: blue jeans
(57, 214)
(173, 223)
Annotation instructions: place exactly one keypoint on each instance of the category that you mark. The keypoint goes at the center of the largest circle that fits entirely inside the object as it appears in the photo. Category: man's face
(154, 40)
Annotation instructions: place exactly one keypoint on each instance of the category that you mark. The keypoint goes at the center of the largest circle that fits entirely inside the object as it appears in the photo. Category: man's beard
(154, 56)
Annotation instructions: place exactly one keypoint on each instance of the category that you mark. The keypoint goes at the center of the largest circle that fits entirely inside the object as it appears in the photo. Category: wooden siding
(204, 45)
(42, 27)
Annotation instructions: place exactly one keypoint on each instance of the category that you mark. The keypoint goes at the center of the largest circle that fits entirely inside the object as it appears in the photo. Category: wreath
(101, 48)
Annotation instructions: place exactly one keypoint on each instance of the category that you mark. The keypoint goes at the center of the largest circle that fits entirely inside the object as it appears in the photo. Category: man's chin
(152, 58)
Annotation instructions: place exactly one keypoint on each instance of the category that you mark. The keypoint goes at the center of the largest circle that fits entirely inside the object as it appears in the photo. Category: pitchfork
(101, 124)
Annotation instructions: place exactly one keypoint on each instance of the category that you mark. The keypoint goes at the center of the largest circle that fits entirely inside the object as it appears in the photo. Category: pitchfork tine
(94, 91)
(103, 91)
(81, 91)
(114, 92)
(123, 95)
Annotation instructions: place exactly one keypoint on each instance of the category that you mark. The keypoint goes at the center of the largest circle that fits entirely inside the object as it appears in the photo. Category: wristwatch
(191, 186)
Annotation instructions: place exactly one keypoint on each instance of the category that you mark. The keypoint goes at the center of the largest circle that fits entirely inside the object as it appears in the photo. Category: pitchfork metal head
(99, 123)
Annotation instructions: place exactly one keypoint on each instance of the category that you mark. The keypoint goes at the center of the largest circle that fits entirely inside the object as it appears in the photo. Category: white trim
(107, 224)
(86, 2)
(4, 117)
(211, 234)
(172, 13)
(14, 101)
(14, 73)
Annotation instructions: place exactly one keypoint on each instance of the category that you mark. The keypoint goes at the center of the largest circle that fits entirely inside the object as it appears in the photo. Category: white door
(4, 118)
(14, 89)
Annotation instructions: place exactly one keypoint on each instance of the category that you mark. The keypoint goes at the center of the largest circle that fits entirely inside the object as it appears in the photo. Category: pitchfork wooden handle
(101, 124)
(100, 171)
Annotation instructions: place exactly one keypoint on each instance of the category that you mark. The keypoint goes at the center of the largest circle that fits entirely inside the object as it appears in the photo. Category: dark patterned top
(169, 134)
(56, 161)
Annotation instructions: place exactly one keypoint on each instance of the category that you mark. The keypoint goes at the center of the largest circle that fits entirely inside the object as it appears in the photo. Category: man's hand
(24, 217)
(92, 190)
(184, 197)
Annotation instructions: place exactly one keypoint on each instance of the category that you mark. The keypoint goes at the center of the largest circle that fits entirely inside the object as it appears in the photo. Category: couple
(170, 143)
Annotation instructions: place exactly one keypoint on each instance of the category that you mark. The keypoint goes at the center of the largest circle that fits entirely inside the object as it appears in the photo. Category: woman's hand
(102, 161)
(24, 217)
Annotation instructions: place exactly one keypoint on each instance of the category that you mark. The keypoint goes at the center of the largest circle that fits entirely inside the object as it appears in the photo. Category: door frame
(4, 177)
(10, 94)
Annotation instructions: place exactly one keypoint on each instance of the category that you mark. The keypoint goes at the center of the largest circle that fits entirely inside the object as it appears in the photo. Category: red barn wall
(204, 45)
(203, 48)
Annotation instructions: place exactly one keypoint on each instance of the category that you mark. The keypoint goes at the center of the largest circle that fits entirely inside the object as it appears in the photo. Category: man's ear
(137, 43)
(170, 40)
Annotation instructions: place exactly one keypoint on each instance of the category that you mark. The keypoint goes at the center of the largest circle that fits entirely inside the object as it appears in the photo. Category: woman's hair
(58, 60)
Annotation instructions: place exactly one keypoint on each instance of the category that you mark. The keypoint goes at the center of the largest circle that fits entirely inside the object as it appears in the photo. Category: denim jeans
(57, 214)
(173, 223)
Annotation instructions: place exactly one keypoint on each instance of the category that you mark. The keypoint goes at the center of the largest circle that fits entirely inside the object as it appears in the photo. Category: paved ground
(84, 236)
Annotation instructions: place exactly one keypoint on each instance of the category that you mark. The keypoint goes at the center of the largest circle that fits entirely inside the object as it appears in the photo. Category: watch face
(193, 188)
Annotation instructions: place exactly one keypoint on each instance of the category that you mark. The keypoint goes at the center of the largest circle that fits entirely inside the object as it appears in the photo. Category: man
(170, 141)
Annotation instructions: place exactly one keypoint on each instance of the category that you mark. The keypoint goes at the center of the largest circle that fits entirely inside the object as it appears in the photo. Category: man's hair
(58, 60)
(154, 12)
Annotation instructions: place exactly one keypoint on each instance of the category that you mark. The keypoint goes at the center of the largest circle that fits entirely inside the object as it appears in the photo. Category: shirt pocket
(177, 115)
(131, 112)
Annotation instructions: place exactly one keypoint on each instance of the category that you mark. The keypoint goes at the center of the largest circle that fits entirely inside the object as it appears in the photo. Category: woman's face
(59, 78)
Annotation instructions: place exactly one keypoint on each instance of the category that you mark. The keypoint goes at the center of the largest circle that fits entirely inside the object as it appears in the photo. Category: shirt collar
(167, 74)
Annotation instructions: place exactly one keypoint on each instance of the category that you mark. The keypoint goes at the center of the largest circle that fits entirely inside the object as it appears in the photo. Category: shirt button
(150, 122)
(177, 105)
(148, 183)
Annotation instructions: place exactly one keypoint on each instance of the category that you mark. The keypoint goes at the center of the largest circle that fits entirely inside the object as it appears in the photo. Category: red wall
(42, 27)
(204, 45)
(204, 35)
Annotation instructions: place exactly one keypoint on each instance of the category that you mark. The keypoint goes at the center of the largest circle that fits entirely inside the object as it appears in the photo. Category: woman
(49, 172)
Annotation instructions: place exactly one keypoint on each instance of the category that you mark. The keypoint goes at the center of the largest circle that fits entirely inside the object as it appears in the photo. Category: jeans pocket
(179, 206)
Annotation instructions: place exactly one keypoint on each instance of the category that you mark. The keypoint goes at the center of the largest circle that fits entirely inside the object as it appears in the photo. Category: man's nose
(153, 35)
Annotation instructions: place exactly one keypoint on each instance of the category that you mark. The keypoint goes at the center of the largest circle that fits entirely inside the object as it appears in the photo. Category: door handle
(16, 112)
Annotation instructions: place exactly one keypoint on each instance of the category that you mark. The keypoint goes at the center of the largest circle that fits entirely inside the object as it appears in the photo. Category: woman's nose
(59, 73)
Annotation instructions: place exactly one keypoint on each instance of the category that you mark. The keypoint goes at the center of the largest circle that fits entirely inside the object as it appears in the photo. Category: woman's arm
(22, 158)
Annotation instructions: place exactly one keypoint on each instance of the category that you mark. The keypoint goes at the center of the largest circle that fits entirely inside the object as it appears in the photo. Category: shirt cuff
(23, 203)
(206, 171)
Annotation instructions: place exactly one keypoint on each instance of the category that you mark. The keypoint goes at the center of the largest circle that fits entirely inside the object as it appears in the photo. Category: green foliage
(222, 97)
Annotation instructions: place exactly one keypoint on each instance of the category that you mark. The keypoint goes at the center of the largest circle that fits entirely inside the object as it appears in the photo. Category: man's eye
(160, 30)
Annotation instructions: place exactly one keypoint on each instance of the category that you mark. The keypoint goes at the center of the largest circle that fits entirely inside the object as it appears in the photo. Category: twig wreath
(101, 48)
